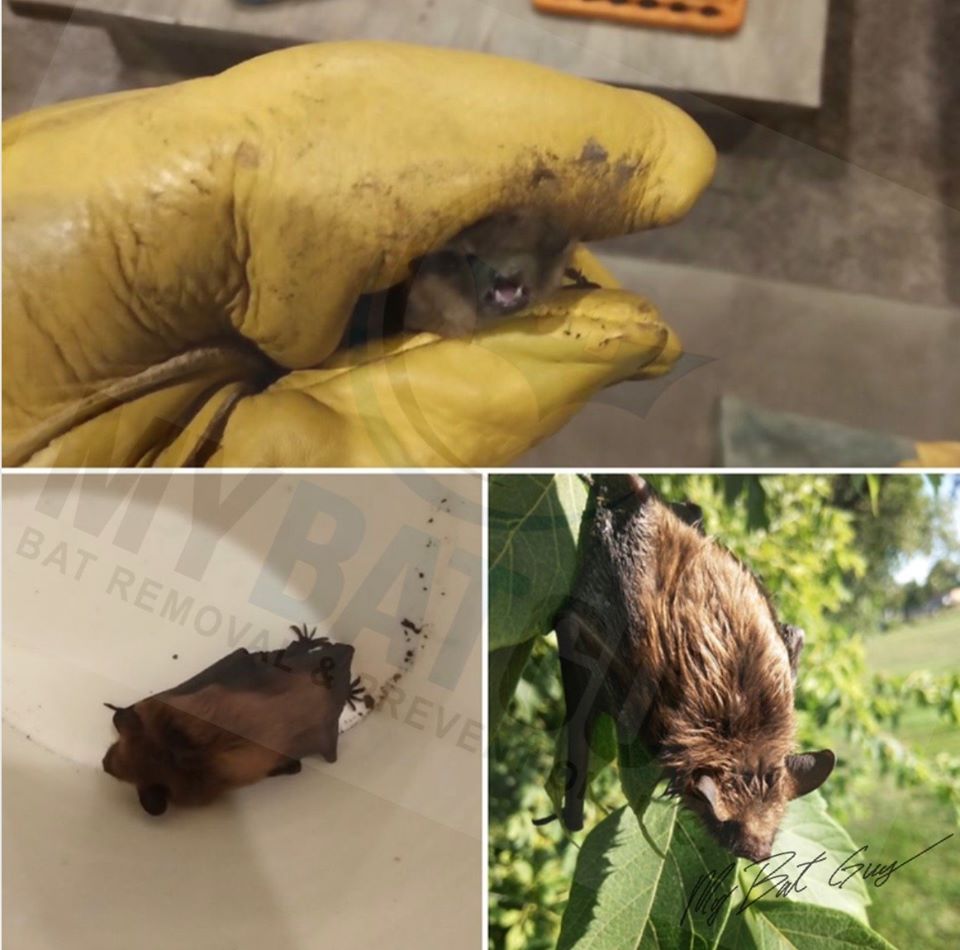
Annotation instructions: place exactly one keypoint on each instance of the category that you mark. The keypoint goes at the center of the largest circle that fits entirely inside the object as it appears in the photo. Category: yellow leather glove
(180, 263)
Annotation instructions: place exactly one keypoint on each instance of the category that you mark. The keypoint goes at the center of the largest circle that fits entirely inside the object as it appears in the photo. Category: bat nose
(106, 762)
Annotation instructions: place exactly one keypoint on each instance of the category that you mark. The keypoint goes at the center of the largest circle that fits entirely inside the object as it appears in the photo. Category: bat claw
(305, 635)
(302, 632)
(357, 694)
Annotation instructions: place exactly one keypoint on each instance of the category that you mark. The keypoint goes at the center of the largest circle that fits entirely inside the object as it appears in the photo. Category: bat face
(153, 753)
(246, 717)
(494, 268)
(743, 811)
(515, 260)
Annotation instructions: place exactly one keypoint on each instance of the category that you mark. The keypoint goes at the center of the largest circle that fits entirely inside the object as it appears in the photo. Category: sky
(917, 568)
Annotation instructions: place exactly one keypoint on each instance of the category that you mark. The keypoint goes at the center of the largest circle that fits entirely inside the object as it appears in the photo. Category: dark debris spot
(626, 170)
(593, 152)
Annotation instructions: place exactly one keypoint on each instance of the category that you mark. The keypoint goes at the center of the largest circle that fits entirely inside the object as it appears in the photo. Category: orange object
(703, 16)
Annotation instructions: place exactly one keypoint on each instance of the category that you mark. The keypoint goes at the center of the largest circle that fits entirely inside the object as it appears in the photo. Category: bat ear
(793, 637)
(126, 720)
(706, 789)
(153, 798)
(641, 487)
(810, 770)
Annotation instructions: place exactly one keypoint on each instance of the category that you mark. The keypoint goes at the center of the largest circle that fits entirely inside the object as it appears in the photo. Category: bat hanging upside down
(668, 633)
(246, 717)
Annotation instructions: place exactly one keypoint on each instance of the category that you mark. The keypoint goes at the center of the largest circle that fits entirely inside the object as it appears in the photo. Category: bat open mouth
(508, 293)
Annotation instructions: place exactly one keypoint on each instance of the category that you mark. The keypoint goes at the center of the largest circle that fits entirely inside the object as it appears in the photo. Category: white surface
(359, 853)
(777, 56)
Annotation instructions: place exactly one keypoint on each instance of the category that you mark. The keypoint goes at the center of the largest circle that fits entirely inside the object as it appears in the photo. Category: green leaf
(653, 877)
(779, 924)
(639, 774)
(505, 668)
(632, 884)
(534, 525)
(665, 883)
(808, 830)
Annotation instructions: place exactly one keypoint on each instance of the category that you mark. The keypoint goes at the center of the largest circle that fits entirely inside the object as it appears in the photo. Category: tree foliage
(894, 518)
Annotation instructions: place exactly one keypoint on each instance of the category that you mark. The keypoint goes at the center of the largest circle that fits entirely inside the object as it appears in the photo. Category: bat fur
(676, 639)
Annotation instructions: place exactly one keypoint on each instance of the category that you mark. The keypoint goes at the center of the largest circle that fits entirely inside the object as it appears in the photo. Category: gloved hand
(180, 263)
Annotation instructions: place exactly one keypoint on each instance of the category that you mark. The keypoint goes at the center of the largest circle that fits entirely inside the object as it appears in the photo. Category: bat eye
(153, 798)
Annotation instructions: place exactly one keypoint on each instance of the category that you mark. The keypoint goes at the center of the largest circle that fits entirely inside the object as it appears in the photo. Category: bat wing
(265, 670)
(327, 662)
(581, 688)
(237, 671)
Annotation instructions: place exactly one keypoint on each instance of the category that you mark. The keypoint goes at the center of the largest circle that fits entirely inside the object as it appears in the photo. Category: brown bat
(494, 268)
(246, 717)
(670, 634)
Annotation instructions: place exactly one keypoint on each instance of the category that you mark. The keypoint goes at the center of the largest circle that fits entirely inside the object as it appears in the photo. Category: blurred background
(869, 566)
(815, 284)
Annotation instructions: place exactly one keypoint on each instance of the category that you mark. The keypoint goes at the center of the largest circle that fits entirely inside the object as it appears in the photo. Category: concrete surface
(777, 56)
(852, 359)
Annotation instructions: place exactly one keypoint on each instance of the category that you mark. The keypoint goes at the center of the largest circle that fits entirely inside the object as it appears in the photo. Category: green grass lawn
(932, 643)
(920, 905)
